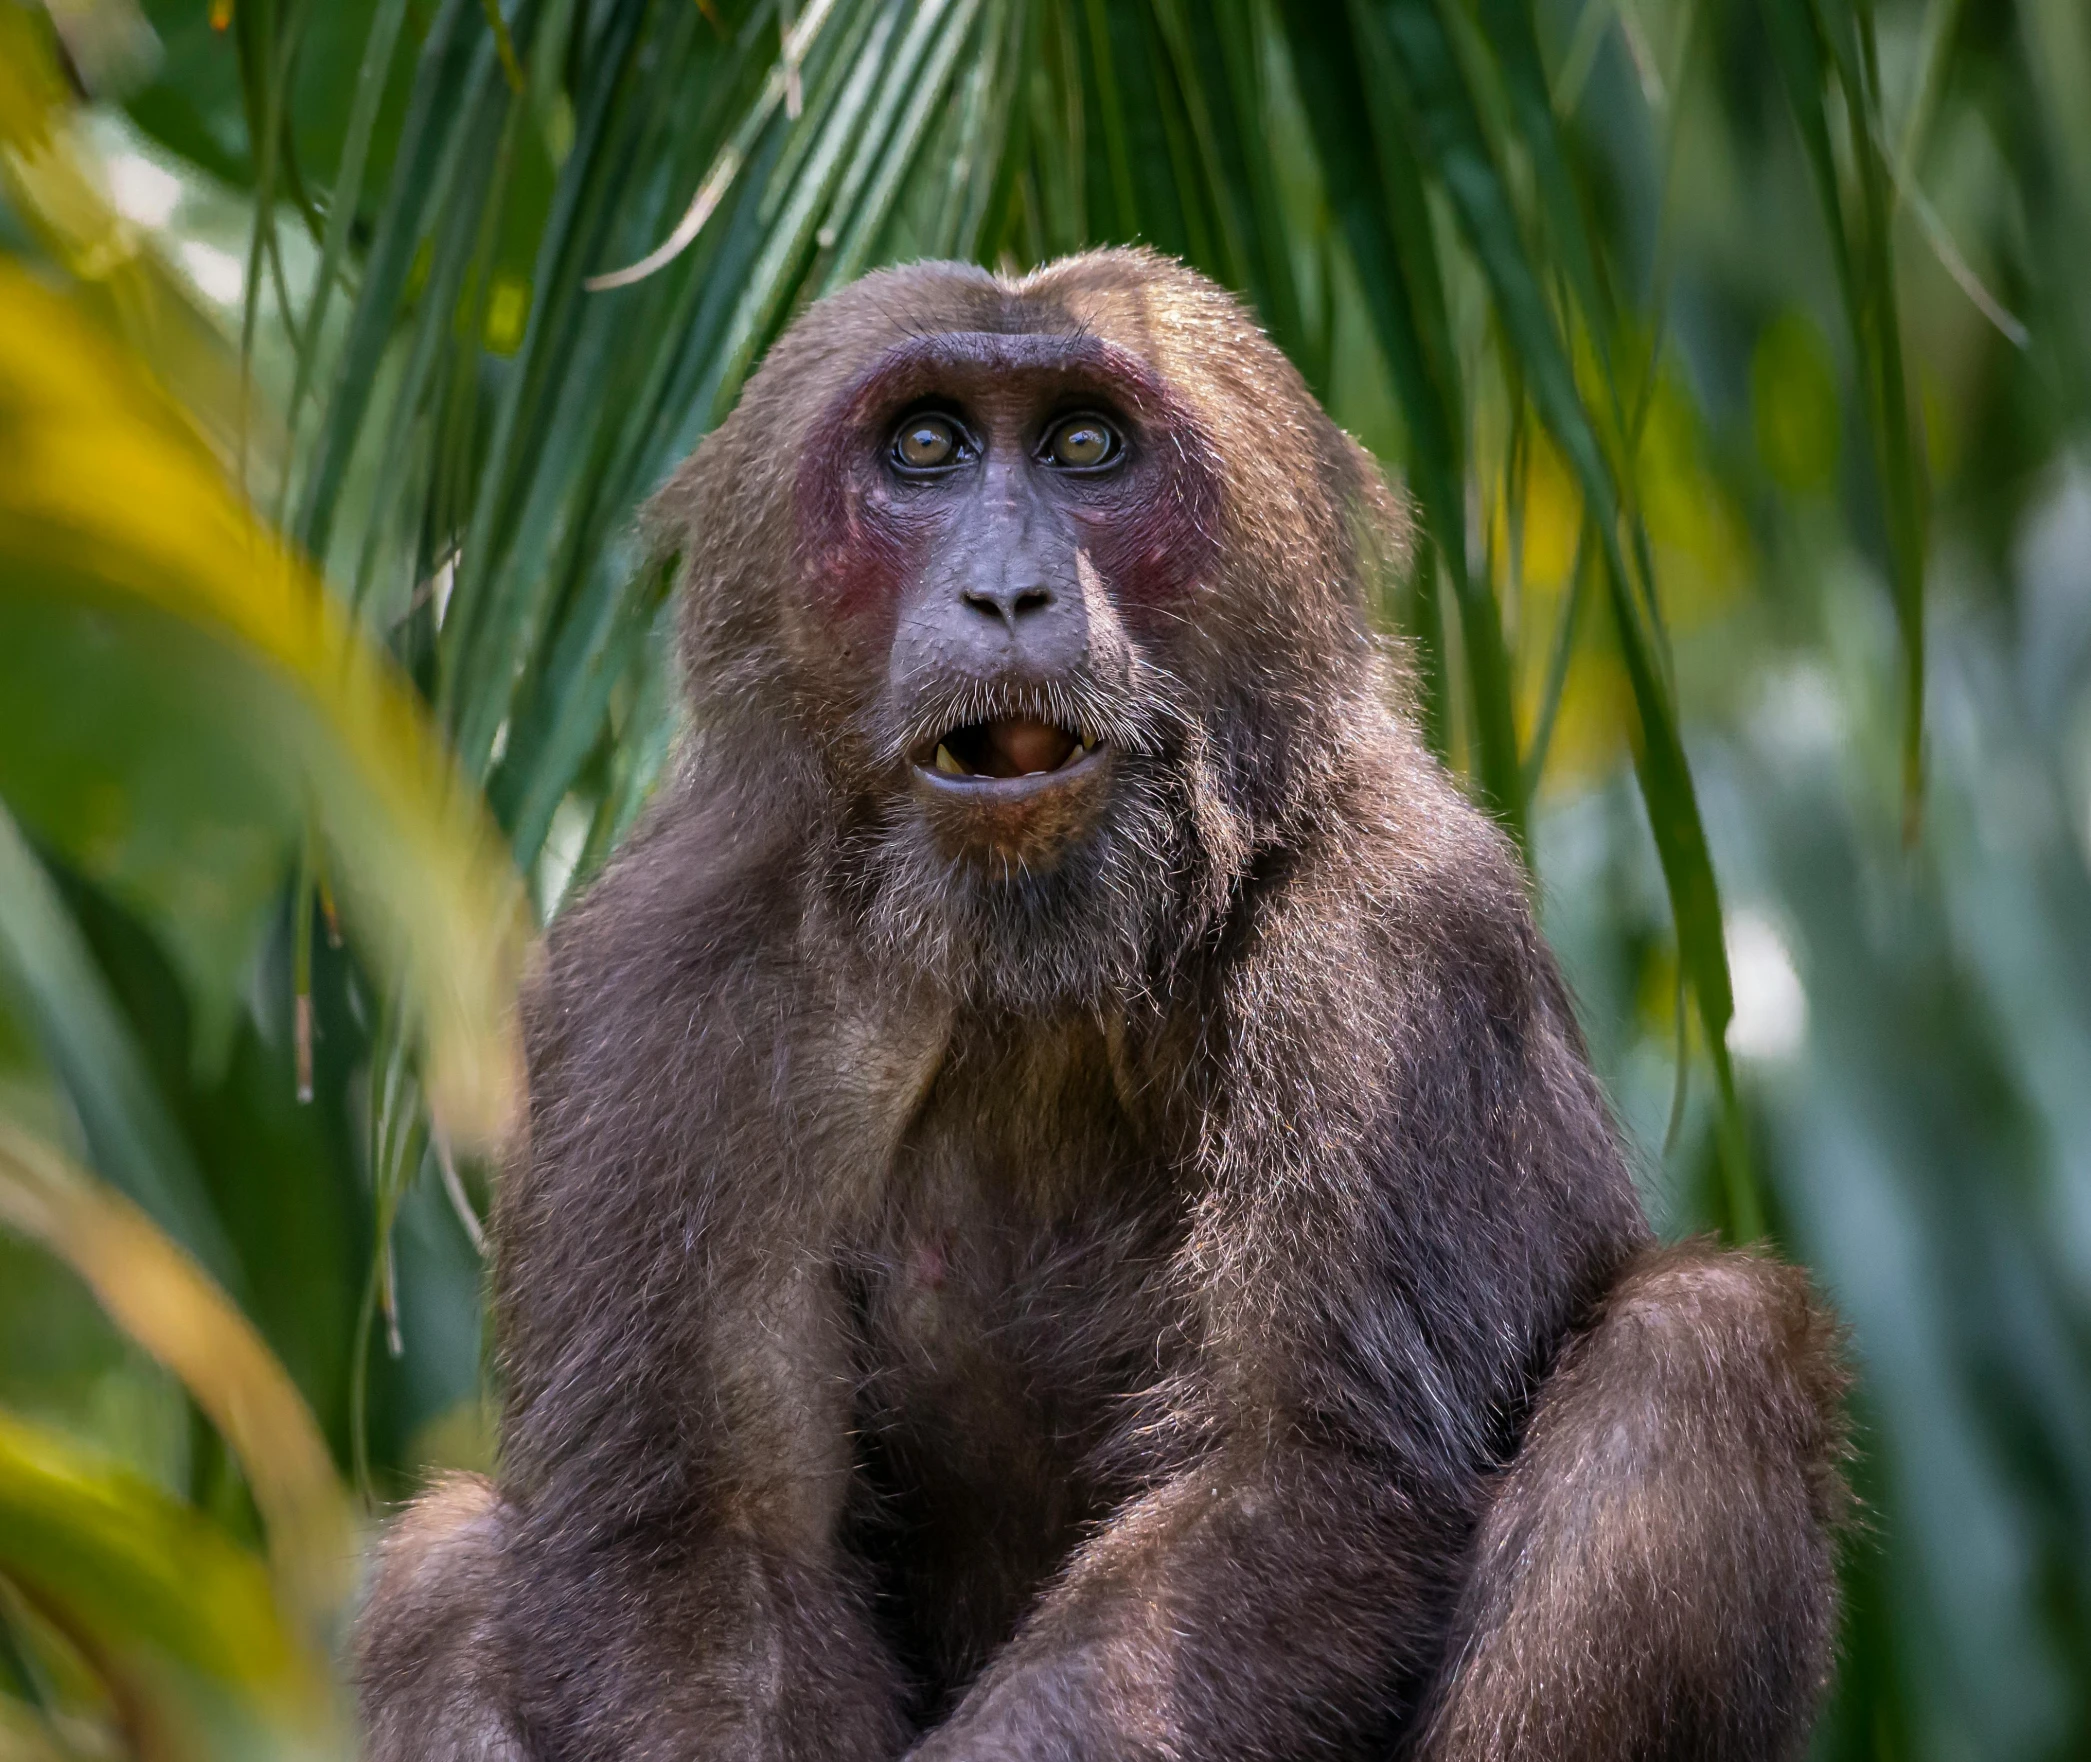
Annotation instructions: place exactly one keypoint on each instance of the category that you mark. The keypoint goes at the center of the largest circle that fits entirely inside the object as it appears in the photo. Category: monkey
(1064, 1213)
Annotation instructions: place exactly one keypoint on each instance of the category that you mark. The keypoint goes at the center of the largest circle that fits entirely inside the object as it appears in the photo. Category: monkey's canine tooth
(946, 763)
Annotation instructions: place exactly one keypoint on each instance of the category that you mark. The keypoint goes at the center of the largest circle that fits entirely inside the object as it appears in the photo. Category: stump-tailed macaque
(1065, 1216)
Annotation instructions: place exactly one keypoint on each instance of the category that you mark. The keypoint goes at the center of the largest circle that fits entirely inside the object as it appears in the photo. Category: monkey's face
(1038, 602)
(1001, 532)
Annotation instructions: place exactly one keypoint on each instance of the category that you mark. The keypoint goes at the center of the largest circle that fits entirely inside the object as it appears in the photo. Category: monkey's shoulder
(1400, 894)
(695, 895)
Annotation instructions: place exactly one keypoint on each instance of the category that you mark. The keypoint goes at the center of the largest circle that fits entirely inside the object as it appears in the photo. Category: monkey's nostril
(1006, 605)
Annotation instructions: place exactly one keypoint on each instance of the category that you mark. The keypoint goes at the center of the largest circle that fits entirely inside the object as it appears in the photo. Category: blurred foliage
(1737, 353)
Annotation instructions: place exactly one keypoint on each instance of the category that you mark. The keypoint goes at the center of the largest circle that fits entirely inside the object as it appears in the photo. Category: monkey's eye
(1081, 443)
(927, 443)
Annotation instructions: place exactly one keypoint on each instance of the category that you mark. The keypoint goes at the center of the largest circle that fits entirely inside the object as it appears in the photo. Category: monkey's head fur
(1044, 601)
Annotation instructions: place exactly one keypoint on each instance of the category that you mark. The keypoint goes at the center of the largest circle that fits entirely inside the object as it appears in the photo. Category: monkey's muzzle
(1015, 790)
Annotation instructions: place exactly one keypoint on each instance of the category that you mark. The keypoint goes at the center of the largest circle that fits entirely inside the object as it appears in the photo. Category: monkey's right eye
(927, 443)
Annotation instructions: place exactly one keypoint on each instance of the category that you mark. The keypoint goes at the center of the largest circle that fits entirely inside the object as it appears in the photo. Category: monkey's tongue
(1013, 746)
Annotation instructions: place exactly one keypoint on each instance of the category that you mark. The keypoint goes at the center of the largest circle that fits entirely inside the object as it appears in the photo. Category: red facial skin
(1149, 526)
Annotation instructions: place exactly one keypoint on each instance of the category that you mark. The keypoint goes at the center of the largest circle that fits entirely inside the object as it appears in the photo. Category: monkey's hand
(1260, 1603)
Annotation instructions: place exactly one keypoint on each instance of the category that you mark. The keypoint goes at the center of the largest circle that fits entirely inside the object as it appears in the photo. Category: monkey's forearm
(1230, 1613)
(730, 1651)
(479, 1640)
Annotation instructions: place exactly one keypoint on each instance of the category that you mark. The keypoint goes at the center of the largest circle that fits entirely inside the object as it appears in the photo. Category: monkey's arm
(1260, 1604)
(674, 1587)
(658, 1577)
(664, 1578)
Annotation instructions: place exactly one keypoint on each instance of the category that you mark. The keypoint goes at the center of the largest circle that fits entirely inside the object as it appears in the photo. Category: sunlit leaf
(167, 1304)
(52, 978)
(121, 540)
(125, 1564)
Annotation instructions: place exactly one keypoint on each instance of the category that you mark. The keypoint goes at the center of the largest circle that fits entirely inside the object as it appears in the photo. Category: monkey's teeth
(946, 763)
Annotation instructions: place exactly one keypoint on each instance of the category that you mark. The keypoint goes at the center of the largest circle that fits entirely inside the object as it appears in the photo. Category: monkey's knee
(1656, 1576)
(1721, 1368)
(429, 1668)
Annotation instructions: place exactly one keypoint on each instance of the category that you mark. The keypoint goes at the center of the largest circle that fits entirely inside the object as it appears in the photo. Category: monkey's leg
(428, 1667)
(1656, 1576)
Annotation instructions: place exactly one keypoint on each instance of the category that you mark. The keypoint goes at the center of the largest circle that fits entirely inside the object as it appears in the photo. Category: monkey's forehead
(962, 363)
(1118, 292)
(1130, 314)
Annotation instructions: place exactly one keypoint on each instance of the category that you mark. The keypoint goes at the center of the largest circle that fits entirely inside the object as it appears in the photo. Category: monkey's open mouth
(1008, 747)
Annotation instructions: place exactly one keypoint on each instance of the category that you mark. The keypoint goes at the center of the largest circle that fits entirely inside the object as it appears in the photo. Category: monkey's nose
(1007, 603)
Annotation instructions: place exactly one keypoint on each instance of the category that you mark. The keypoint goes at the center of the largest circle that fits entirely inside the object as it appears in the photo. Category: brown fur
(1182, 1300)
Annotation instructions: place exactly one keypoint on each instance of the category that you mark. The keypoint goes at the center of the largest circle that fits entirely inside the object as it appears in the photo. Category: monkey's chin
(1024, 822)
(1040, 899)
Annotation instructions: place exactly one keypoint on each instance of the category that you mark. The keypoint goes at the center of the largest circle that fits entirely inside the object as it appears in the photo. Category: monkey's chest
(1004, 1339)
(1010, 1316)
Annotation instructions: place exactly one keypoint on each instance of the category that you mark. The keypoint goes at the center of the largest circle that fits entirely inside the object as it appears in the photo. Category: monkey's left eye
(1082, 443)
(927, 443)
